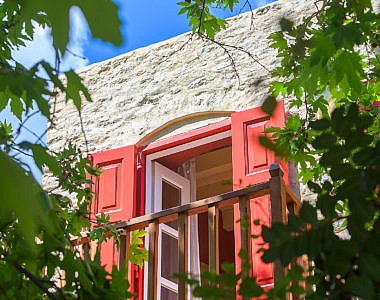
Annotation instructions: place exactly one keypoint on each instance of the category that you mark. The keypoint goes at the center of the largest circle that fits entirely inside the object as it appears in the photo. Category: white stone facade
(135, 93)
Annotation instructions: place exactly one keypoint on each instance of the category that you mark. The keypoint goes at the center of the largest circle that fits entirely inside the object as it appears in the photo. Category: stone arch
(185, 123)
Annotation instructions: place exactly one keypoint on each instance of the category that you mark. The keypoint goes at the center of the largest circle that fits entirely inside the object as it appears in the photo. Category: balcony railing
(282, 201)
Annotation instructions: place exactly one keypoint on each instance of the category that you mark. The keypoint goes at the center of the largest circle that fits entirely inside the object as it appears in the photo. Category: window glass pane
(167, 294)
(169, 258)
(171, 197)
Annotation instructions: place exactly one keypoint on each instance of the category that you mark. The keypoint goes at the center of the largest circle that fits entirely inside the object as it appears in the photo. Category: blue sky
(149, 21)
(144, 22)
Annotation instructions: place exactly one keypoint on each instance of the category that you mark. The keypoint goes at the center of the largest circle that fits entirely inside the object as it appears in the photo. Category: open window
(183, 174)
(195, 165)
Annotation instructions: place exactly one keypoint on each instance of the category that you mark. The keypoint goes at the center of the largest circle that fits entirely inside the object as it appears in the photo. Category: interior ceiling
(173, 161)
(214, 177)
(214, 172)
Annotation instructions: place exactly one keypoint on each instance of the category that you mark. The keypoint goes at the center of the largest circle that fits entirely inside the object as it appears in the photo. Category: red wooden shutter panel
(115, 188)
(109, 255)
(115, 193)
(251, 163)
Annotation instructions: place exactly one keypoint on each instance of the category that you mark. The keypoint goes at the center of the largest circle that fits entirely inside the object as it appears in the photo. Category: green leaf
(320, 124)
(294, 123)
(324, 141)
(337, 264)
(75, 88)
(17, 108)
(308, 213)
(326, 204)
(249, 288)
(279, 41)
(22, 196)
(369, 264)
(340, 171)
(137, 254)
(269, 105)
(335, 155)
(286, 24)
(42, 157)
(361, 286)
(106, 13)
(314, 187)
(348, 71)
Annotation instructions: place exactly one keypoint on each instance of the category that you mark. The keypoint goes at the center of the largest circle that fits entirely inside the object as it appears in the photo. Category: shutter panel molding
(114, 195)
(251, 164)
(251, 161)
(115, 188)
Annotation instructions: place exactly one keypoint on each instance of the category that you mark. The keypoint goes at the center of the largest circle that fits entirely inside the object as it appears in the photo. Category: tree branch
(37, 281)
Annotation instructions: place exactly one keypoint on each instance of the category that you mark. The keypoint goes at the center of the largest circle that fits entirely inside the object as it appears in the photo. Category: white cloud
(41, 46)
(79, 35)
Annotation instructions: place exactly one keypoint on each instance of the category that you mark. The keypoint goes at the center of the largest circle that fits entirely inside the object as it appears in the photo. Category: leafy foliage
(328, 61)
(329, 72)
(37, 257)
(201, 19)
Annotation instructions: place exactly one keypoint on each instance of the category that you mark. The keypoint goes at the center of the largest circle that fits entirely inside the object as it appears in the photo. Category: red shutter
(114, 193)
(115, 188)
(251, 163)
(109, 255)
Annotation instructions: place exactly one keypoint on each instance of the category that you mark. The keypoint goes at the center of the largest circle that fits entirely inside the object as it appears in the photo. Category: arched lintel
(179, 122)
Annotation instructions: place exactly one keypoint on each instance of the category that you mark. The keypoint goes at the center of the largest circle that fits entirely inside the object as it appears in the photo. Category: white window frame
(162, 173)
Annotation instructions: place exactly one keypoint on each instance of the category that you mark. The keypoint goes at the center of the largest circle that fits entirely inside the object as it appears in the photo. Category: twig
(76, 55)
(83, 131)
(33, 278)
(21, 151)
(223, 45)
(24, 121)
(201, 16)
(250, 9)
(180, 48)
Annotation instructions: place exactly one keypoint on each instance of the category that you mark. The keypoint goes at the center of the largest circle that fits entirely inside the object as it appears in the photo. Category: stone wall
(137, 92)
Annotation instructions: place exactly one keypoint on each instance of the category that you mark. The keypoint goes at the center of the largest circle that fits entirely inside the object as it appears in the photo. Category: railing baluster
(278, 207)
(182, 252)
(124, 247)
(93, 249)
(152, 261)
(213, 238)
(245, 229)
(122, 250)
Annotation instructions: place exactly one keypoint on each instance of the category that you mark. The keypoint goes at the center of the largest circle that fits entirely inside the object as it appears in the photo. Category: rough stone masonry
(139, 91)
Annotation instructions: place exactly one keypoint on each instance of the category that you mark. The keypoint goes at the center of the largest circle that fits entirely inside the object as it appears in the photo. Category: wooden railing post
(245, 230)
(123, 249)
(278, 207)
(182, 252)
(152, 260)
(213, 238)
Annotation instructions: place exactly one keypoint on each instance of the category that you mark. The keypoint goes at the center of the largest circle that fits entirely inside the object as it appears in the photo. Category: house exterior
(177, 122)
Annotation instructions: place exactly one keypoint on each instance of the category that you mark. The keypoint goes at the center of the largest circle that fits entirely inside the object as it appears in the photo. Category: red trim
(188, 136)
(168, 143)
